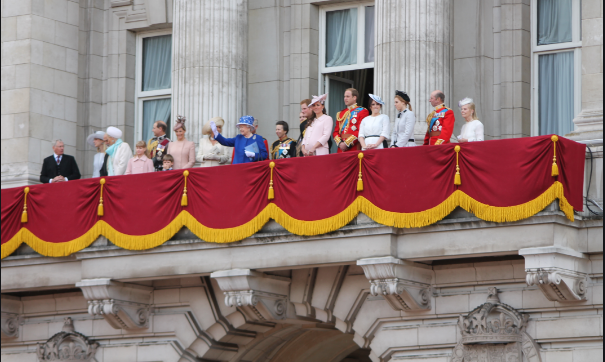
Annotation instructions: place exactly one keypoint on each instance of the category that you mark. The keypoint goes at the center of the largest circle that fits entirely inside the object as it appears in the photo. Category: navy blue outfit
(239, 144)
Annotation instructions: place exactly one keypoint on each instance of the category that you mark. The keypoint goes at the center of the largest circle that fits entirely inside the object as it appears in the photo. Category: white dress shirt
(372, 128)
(98, 164)
(473, 131)
(404, 129)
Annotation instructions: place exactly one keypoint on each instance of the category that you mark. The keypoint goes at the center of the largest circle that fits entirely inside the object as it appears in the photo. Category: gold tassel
(360, 180)
(271, 190)
(24, 218)
(101, 210)
(185, 199)
(555, 167)
(457, 178)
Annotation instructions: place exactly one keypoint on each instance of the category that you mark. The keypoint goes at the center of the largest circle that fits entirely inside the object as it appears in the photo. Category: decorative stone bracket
(406, 286)
(11, 308)
(260, 297)
(560, 273)
(124, 306)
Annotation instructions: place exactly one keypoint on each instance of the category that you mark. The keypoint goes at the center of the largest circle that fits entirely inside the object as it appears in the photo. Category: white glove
(250, 154)
(212, 157)
(214, 129)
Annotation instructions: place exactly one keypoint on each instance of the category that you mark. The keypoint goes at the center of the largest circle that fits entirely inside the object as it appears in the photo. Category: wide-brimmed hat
(319, 99)
(95, 136)
(246, 121)
(377, 99)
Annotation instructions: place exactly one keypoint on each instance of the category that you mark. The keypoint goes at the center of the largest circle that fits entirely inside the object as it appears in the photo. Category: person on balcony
(284, 147)
(140, 163)
(59, 167)
(119, 152)
(182, 150)
(374, 129)
(248, 147)
(348, 122)
(158, 145)
(440, 122)
(317, 134)
(96, 140)
(212, 153)
(403, 133)
(306, 116)
(473, 130)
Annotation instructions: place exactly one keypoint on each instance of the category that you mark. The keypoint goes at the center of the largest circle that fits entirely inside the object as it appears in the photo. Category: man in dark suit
(59, 167)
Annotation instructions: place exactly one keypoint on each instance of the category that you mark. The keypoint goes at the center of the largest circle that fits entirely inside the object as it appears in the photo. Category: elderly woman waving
(248, 147)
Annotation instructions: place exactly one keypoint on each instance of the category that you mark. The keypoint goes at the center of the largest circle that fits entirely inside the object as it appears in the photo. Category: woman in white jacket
(403, 133)
(119, 152)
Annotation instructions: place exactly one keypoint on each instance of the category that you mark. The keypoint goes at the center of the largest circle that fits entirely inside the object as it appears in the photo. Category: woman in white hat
(119, 152)
(96, 140)
(473, 130)
(212, 153)
(374, 129)
(319, 130)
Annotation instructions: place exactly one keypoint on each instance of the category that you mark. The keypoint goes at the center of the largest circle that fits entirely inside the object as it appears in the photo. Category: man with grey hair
(440, 122)
(59, 167)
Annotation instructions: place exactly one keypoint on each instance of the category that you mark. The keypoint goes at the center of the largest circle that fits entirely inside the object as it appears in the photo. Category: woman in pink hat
(182, 151)
(319, 130)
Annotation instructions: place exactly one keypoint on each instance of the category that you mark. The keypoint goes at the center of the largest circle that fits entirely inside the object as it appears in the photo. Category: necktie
(58, 160)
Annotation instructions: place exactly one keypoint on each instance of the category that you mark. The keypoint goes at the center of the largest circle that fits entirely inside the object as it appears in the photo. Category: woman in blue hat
(248, 147)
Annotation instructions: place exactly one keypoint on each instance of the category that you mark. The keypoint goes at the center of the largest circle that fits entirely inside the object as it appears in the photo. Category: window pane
(155, 110)
(370, 31)
(157, 63)
(554, 21)
(557, 93)
(341, 38)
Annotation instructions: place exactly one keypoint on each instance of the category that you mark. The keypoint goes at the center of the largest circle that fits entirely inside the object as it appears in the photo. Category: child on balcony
(168, 163)
(140, 163)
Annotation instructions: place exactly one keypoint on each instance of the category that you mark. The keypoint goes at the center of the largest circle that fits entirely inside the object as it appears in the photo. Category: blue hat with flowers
(246, 121)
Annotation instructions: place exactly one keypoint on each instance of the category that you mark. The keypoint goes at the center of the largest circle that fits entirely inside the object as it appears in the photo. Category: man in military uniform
(440, 122)
(284, 147)
(158, 145)
(348, 122)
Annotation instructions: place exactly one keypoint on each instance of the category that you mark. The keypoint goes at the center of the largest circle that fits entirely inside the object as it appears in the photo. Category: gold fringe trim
(297, 227)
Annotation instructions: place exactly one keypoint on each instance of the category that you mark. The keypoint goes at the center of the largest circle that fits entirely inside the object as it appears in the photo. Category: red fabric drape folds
(502, 173)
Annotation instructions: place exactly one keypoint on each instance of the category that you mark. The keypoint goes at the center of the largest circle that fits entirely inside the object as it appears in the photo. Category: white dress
(473, 131)
(207, 149)
(404, 129)
(98, 164)
(372, 128)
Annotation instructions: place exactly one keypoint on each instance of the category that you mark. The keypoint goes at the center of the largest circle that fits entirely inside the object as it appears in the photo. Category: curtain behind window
(155, 110)
(370, 34)
(157, 63)
(557, 93)
(341, 38)
(554, 21)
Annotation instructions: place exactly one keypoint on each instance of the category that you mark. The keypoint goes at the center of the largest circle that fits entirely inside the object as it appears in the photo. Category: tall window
(154, 81)
(557, 43)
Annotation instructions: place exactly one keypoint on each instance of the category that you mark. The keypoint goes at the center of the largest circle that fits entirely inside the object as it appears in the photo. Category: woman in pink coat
(319, 130)
(182, 150)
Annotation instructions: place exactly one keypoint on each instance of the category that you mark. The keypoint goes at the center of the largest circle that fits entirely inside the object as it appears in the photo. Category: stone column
(414, 53)
(210, 62)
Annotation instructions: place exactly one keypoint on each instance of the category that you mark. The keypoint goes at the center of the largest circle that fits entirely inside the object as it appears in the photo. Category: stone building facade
(365, 293)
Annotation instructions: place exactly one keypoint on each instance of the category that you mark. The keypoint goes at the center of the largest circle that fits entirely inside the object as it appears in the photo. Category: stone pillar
(210, 62)
(414, 53)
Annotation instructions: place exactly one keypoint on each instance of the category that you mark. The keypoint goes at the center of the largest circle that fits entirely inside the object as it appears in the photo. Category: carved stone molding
(406, 286)
(560, 273)
(67, 345)
(495, 331)
(11, 308)
(260, 297)
(124, 306)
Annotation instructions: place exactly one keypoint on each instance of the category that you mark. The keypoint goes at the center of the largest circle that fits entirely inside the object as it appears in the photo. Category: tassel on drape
(101, 210)
(185, 198)
(24, 218)
(360, 180)
(457, 178)
(271, 190)
(555, 167)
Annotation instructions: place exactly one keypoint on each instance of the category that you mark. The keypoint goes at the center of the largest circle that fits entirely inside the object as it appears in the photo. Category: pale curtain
(153, 111)
(370, 34)
(554, 21)
(157, 63)
(557, 93)
(341, 38)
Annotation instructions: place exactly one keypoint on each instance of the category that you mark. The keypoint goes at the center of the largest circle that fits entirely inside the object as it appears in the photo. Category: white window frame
(140, 96)
(537, 50)
(361, 21)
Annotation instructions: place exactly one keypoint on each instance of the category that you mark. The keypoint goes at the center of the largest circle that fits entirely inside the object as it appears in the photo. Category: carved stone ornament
(260, 297)
(67, 345)
(124, 306)
(561, 274)
(406, 286)
(495, 332)
(11, 307)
